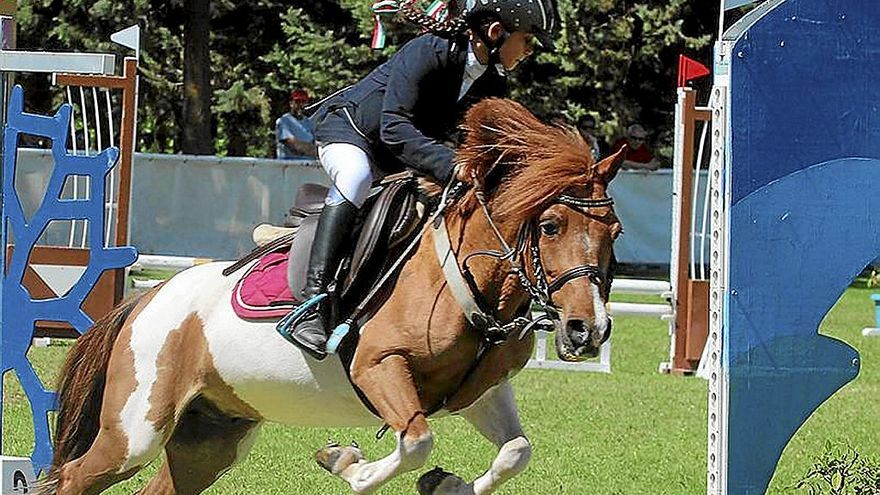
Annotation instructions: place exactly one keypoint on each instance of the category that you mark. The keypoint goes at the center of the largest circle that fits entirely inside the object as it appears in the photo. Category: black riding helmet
(538, 17)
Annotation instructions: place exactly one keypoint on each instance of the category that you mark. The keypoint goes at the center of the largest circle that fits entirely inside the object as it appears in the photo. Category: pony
(177, 371)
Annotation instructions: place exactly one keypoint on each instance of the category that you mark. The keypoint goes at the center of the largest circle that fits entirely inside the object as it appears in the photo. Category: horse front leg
(495, 416)
(389, 386)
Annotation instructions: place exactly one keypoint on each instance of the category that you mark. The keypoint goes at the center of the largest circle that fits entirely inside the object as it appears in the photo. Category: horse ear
(608, 167)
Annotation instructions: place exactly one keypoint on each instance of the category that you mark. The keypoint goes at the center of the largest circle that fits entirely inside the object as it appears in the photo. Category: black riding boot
(334, 225)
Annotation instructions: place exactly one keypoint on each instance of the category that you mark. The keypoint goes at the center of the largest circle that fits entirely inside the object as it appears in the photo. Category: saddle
(393, 213)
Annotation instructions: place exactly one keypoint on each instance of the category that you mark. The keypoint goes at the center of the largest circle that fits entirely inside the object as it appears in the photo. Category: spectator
(638, 156)
(587, 127)
(293, 132)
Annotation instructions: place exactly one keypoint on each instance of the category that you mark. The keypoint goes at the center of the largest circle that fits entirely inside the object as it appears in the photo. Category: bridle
(463, 285)
(529, 270)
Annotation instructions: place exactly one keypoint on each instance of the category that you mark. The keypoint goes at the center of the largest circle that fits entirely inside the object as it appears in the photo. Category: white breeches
(350, 171)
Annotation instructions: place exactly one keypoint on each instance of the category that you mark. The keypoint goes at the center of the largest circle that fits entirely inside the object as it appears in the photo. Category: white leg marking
(365, 477)
(495, 416)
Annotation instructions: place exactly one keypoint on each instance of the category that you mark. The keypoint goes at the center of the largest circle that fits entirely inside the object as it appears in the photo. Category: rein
(463, 284)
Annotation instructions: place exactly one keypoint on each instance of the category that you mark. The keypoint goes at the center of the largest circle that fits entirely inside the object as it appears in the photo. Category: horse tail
(81, 387)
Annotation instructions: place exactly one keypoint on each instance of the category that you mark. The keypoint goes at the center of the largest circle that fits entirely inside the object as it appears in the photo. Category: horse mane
(520, 162)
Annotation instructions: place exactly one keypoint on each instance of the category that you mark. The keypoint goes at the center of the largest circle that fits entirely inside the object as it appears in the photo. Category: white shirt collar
(473, 69)
(472, 65)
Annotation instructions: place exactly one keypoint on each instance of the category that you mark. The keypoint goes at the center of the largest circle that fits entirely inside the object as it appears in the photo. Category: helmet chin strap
(494, 47)
(495, 52)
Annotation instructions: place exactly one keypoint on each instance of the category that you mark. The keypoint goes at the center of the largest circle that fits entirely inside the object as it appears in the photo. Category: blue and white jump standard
(796, 218)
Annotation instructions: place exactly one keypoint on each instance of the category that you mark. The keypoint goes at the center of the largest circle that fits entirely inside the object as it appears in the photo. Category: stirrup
(286, 325)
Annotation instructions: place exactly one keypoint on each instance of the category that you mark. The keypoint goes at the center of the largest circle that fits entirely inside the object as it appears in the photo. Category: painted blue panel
(19, 313)
(797, 243)
(804, 156)
(804, 89)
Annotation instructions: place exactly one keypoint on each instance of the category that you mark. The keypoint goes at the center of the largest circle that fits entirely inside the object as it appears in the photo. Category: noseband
(593, 272)
(463, 284)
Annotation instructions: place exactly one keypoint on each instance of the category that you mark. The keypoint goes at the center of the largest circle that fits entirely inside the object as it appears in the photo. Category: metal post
(7, 41)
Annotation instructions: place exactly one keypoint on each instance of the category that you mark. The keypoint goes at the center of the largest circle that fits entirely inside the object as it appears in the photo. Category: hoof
(440, 482)
(335, 458)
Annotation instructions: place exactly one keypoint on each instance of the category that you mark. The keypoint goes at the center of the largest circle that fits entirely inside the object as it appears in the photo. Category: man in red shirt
(638, 156)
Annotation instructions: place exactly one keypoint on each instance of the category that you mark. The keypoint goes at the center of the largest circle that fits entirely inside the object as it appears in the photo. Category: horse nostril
(576, 332)
(574, 325)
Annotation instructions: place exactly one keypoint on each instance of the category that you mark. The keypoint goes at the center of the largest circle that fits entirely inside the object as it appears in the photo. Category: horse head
(581, 235)
(541, 183)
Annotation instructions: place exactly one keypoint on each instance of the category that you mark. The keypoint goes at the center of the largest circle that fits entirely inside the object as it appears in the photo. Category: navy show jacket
(406, 108)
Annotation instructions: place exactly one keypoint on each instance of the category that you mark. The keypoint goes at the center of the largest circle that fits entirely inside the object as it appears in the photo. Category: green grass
(151, 274)
(631, 432)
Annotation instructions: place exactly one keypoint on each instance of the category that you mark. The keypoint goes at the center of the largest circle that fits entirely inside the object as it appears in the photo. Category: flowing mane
(521, 162)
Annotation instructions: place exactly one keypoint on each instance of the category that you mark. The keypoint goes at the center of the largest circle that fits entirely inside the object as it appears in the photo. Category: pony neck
(497, 284)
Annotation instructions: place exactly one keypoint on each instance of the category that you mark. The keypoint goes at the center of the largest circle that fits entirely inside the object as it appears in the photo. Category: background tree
(616, 60)
(198, 129)
(86, 25)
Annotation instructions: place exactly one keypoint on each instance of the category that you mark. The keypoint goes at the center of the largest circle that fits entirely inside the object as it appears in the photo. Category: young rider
(404, 111)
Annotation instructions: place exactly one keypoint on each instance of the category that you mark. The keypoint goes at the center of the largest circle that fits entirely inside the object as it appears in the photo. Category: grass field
(633, 431)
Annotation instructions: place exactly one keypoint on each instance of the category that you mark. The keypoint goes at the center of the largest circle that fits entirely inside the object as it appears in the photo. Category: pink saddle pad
(263, 292)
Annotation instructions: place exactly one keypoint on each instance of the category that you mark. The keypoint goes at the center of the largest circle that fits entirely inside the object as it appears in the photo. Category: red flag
(689, 69)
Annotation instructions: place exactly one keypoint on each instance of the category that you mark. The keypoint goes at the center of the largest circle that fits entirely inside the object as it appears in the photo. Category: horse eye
(549, 228)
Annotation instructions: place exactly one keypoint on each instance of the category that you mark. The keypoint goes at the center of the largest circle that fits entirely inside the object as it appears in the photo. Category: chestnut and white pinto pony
(177, 371)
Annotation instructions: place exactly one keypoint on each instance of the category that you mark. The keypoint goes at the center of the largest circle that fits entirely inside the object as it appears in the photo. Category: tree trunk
(236, 144)
(197, 129)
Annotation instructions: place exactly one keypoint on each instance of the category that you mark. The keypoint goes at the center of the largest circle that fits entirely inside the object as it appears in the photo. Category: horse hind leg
(115, 455)
(98, 469)
(205, 444)
(126, 439)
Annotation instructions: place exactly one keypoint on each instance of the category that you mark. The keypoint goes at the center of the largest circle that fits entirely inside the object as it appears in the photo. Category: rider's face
(517, 48)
